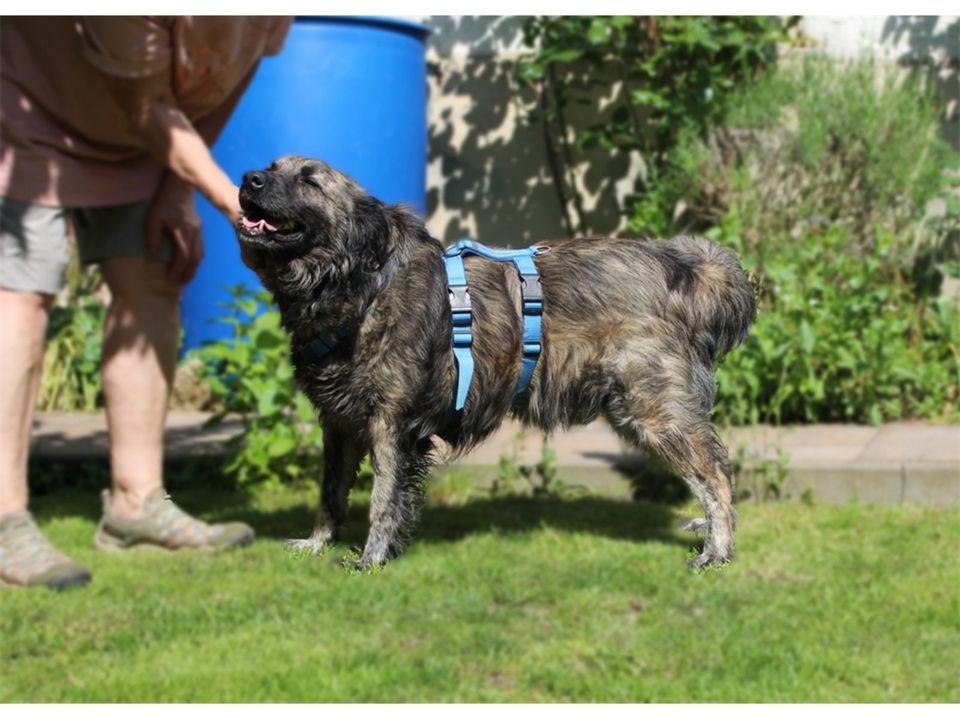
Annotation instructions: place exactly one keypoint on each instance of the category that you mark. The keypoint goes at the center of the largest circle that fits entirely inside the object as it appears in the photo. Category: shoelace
(176, 520)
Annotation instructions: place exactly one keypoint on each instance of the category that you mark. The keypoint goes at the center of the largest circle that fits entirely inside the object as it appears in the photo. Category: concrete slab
(893, 464)
(869, 483)
(83, 436)
(915, 442)
(930, 484)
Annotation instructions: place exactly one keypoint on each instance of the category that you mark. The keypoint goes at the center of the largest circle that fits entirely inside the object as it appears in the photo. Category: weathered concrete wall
(928, 41)
(488, 176)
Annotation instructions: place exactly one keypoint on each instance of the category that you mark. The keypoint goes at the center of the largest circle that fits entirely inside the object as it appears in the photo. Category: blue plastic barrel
(350, 91)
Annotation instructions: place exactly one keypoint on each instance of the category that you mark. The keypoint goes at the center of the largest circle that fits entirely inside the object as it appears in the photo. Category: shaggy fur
(632, 330)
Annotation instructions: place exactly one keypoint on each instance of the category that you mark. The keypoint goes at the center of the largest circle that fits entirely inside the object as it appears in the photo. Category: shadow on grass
(637, 520)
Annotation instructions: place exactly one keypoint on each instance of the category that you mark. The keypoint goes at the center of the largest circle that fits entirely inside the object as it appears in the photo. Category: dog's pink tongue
(257, 225)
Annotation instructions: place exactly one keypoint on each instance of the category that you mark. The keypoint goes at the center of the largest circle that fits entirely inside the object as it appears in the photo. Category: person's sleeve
(127, 47)
(278, 35)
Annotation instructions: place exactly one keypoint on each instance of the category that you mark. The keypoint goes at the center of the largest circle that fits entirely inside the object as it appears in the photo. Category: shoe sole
(108, 543)
(78, 578)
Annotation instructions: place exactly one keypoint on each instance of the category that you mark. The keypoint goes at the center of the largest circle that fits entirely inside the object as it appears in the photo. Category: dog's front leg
(341, 462)
(398, 468)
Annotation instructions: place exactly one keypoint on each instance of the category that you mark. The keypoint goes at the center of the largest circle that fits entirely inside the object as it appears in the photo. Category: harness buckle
(460, 298)
(531, 288)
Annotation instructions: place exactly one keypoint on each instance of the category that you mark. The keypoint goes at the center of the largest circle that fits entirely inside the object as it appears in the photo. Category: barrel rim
(390, 23)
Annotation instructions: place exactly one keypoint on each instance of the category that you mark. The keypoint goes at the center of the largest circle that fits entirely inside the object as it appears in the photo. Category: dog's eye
(308, 179)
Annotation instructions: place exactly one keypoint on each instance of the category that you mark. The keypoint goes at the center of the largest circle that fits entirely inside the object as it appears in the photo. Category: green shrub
(821, 177)
(838, 340)
(820, 145)
(251, 376)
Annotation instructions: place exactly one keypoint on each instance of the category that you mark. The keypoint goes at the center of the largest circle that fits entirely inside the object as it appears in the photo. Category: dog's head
(300, 209)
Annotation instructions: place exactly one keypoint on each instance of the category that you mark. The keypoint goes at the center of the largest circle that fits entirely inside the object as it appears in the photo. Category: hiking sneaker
(162, 524)
(27, 558)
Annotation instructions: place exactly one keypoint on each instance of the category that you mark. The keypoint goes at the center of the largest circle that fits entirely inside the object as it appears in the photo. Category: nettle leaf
(267, 401)
(563, 56)
(268, 340)
(238, 291)
(256, 385)
(648, 98)
(304, 408)
(531, 71)
(598, 33)
(281, 446)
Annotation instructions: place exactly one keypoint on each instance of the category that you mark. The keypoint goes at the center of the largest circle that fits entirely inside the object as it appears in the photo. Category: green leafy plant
(71, 378)
(540, 480)
(252, 378)
(822, 178)
(656, 75)
(836, 340)
(763, 477)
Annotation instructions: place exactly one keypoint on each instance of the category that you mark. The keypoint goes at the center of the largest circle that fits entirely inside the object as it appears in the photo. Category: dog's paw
(694, 525)
(307, 546)
(355, 565)
(709, 559)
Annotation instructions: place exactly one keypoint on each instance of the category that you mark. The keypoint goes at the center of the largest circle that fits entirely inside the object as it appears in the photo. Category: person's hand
(174, 214)
(230, 205)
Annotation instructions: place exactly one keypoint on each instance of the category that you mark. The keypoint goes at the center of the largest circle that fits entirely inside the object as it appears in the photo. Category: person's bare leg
(139, 357)
(21, 368)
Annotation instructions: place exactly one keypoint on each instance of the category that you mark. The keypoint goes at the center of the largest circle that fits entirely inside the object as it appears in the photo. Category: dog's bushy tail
(719, 303)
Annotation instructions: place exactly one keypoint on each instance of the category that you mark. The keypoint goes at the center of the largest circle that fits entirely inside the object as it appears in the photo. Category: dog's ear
(369, 234)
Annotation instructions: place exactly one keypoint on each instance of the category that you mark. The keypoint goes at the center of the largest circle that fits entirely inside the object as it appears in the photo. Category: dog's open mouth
(253, 224)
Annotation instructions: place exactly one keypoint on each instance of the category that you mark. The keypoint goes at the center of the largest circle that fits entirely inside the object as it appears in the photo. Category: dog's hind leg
(341, 462)
(672, 427)
(399, 467)
(706, 470)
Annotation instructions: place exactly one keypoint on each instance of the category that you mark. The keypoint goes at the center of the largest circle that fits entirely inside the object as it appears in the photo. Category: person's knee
(25, 315)
(135, 282)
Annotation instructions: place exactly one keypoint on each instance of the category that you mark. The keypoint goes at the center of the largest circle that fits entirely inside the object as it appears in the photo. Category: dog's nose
(256, 180)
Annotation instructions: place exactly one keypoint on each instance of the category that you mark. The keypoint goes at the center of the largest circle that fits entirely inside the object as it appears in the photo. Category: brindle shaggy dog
(632, 330)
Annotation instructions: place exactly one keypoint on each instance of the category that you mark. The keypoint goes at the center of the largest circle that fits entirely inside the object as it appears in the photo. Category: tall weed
(252, 378)
(71, 377)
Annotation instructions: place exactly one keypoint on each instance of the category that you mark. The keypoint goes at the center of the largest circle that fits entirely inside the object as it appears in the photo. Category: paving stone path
(915, 463)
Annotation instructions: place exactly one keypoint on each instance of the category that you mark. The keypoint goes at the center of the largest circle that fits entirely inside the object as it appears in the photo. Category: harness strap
(532, 303)
(320, 346)
(532, 293)
(462, 315)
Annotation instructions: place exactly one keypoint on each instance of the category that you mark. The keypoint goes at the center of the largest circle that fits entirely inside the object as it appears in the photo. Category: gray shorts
(34, 246)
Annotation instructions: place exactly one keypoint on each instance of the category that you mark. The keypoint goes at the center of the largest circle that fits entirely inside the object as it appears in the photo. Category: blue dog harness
(532, 294)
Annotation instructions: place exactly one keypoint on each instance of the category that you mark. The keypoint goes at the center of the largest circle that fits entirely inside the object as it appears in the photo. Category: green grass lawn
(502, 599)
